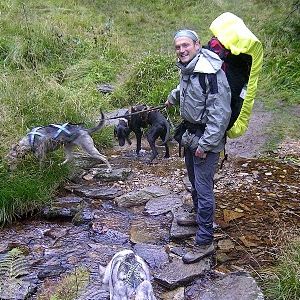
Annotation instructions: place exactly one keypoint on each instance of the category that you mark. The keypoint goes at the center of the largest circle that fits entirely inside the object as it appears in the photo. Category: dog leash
(137, 112)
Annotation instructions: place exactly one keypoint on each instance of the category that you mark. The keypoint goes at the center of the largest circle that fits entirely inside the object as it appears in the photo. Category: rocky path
(97, 214)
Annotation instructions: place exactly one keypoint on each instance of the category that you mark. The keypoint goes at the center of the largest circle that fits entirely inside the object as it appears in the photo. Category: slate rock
(141, 197)
(163, 204)
(120, 174)
(98, 191)
(184, 274)
(233, 286)
(154, 255)
(16, 289)
(63, 207)
(51, 271)
(178, 232)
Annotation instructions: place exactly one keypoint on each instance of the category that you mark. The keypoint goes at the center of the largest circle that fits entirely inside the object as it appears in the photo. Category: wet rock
(225, 245)
(184, 274)
(16, 289)
(137, 198)
(56, 233)
(110, 236)
(99, 191)
(181, 232)
(133, 199)
(115, 175)
(233, 286)
(3, 247)
(154, 255)
(156, 191)
(148, 231)
(177, 294)
(64, 207)
(94, 291)
(222, 257)
(105, 88)
(84, 216)
(51, 271)
(112, 219)
(102, 254)
(162, 205)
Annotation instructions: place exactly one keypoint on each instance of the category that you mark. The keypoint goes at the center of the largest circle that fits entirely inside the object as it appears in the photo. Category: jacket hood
(208, 62)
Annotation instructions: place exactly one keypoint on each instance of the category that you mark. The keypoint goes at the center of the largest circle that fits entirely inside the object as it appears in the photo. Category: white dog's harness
(32, 134)
(61, 128)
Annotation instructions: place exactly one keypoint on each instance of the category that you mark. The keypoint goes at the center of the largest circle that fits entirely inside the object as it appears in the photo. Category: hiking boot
(198, 252)
(189, 220)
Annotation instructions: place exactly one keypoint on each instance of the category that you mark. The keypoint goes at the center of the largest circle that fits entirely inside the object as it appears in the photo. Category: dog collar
(61, 128)
(124, 120)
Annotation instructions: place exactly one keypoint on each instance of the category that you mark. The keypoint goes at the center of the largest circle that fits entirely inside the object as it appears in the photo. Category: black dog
(132, 122)
(140, 117)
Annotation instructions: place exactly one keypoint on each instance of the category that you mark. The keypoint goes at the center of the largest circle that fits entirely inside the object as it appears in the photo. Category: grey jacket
(189, 93)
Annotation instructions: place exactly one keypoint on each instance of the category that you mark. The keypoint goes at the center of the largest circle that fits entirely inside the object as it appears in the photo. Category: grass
(283, 280)
(68, 287)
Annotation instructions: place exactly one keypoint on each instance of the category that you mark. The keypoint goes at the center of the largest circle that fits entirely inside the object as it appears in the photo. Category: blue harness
(61, 128)
(34, 132)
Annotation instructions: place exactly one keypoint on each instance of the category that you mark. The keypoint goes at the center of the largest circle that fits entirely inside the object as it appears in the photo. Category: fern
(13, 265)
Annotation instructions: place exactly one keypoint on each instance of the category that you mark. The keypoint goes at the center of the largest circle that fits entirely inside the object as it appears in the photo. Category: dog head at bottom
(17, 152)
(128, 277)
(122, 132)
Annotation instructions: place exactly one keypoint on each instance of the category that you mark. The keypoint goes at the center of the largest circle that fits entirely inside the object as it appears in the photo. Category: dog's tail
(99, 126)
(167, 138)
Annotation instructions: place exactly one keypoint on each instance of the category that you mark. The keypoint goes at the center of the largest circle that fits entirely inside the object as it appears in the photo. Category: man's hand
(168, 104)
(200, 153)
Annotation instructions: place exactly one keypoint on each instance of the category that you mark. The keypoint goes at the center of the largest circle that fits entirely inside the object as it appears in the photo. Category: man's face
(186, 49)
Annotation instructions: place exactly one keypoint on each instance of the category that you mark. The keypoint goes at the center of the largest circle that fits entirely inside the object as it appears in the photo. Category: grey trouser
(201, 175)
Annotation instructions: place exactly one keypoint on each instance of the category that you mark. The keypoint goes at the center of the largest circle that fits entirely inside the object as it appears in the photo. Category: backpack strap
(206, 90)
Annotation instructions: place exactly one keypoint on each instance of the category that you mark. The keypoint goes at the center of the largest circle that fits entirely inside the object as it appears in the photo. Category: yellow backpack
(242, 44)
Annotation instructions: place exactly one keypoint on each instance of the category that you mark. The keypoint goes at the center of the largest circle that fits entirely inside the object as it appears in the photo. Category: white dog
(128, 277)
(41, 140)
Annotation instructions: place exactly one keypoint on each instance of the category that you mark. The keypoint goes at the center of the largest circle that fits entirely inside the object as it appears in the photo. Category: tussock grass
(150, 81)
(28, 188)
(282, 282)
(68, 287)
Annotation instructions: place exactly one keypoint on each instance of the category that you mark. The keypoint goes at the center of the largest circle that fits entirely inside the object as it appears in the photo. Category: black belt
(194, 128)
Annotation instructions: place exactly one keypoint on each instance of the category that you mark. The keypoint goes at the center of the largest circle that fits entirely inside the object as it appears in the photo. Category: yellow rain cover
(232, 32)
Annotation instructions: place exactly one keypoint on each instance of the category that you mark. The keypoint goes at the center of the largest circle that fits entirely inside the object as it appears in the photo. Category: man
(204, 97)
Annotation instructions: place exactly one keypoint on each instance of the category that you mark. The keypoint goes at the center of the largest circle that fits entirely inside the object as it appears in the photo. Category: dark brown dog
(142, 118)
